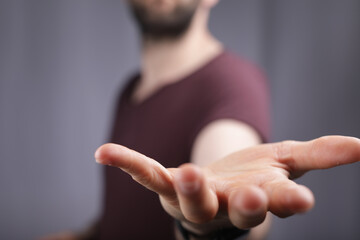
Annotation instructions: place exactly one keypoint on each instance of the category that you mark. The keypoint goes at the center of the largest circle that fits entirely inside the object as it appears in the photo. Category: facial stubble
(163, 26)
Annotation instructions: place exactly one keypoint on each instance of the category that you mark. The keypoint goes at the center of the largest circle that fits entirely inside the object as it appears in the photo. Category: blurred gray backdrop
(62, 63)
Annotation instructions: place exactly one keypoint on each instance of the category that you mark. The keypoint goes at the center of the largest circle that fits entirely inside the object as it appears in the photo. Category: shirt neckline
(134, 81)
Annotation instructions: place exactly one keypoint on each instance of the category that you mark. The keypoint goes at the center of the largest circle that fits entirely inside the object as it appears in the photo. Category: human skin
(240, 188)
(168, 60)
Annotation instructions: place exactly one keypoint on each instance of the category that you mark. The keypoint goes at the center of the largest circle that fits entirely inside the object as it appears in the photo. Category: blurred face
(163, 18)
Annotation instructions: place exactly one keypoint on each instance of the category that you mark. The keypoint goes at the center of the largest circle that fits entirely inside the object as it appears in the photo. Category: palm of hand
(240, 188)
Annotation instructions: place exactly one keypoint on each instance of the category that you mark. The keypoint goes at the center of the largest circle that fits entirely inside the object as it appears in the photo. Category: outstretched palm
(240, 188)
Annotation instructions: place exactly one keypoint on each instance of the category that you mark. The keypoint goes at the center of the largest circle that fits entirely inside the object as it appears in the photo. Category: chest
(161, 131)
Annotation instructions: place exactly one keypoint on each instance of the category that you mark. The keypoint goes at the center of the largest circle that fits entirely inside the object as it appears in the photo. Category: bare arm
(219, 139)
(239, 188)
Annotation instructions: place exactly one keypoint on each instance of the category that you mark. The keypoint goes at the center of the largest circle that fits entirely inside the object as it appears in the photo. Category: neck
(168, 61)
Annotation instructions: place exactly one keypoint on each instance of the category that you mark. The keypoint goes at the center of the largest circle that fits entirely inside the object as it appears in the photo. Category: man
(176, 45)
(195, 102)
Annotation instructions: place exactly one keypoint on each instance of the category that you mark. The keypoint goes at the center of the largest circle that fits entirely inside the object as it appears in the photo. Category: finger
(321, 153)
(247, 207)
(144, 170)
(287, 198)
(198, 202)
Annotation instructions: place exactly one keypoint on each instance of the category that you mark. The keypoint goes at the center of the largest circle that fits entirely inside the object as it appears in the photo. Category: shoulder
(232, 73)
(234, 61)
(234, 88)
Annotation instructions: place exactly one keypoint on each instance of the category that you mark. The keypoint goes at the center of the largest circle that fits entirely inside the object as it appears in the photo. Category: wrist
(209, 232)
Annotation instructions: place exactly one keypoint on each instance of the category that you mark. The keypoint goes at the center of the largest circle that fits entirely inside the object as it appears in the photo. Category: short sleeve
(237, 91)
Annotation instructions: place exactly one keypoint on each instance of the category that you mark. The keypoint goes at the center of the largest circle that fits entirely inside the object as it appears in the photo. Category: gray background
(62, 62)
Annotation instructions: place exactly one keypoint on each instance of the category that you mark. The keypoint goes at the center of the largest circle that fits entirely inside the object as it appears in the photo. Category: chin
(160, 7)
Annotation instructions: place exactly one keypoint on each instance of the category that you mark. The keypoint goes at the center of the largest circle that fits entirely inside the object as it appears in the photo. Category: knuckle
(283, 154)
(144, 179)
(199, 218)
(248, 222)
(282, 150)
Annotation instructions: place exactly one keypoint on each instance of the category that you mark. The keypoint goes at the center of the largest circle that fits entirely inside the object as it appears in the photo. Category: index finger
(321, 153)
(143, 169)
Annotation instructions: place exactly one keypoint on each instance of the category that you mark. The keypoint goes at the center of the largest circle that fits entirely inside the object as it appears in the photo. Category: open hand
(240, 188)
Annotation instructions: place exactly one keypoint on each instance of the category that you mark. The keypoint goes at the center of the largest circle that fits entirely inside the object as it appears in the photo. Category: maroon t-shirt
(164, 127)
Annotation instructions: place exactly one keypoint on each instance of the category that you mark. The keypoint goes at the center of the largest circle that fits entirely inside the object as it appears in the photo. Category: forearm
(241, 187)
(215, 141)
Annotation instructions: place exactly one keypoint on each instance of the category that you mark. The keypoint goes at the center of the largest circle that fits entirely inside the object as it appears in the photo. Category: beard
(159, 26)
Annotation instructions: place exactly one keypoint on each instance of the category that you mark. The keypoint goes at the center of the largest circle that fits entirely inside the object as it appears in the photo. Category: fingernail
(188, 187)
(99, 160)
(252, 202)
(253, 211)
(97, 156)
